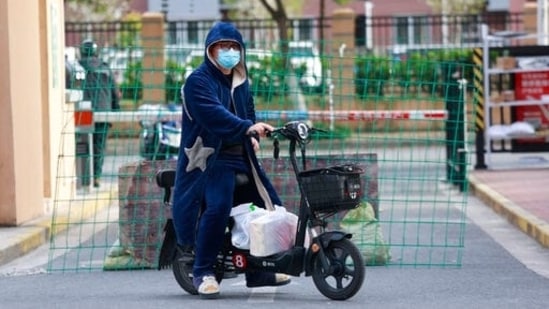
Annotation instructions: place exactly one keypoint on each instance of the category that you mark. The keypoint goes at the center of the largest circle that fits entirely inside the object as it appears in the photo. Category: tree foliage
(129, 36)
(341, 2)
(95, 10)
(457, 6)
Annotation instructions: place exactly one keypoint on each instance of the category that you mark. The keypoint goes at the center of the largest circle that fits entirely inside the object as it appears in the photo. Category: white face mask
(228, 58)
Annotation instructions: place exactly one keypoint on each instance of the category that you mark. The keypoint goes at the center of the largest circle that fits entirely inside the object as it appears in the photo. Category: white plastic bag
(243, 214)
(520, 128)
(272, 232)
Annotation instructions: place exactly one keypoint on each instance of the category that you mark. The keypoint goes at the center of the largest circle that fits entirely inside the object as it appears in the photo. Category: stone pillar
(343, 52)
(152, 36)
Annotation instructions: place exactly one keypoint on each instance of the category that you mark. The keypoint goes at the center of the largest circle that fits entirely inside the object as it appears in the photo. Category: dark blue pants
(218, 201)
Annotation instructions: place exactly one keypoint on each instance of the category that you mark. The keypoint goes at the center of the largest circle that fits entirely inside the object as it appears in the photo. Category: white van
(306, 53)
(254, 57)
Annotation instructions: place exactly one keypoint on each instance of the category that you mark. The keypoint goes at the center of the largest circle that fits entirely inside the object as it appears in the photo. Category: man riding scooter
(219, 138)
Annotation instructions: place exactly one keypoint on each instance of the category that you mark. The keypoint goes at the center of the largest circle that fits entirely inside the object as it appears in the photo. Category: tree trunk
(281, 19)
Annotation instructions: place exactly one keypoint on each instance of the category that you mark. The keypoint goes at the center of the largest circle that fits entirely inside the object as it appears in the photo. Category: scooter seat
(165, 178)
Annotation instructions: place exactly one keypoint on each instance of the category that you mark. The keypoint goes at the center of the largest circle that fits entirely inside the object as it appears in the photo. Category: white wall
(498, 5)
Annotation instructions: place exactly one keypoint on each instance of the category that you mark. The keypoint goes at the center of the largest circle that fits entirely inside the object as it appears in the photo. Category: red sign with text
(533, 86)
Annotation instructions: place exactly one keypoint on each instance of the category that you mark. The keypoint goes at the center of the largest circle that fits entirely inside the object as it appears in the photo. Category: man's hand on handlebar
(260, 128)
(257, 130)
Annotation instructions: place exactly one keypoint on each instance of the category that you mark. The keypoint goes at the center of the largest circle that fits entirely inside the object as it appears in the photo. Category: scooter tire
(183, 273)
(345, 273)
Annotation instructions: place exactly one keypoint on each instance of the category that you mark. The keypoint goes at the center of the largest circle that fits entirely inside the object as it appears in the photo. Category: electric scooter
(331, 258)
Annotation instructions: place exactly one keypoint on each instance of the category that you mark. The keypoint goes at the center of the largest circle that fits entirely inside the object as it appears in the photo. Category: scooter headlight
(303, 131)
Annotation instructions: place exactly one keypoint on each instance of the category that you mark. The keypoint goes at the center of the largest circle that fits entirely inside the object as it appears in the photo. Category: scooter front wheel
(345, 273)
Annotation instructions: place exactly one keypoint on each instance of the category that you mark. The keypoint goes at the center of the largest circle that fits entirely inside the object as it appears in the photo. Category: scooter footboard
(289, 262)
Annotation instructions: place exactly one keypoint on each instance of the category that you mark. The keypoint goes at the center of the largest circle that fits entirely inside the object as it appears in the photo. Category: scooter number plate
(240, 261)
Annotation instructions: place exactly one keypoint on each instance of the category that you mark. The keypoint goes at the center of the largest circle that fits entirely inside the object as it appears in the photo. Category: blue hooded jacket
(208, 120)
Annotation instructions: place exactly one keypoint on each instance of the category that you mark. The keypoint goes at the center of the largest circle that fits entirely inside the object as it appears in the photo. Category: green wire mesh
(387, 115)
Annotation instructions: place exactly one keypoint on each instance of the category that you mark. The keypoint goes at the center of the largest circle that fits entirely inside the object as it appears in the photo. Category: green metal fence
(402, 119)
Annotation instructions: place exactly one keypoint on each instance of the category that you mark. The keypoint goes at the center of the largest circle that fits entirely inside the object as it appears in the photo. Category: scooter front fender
(323, 240)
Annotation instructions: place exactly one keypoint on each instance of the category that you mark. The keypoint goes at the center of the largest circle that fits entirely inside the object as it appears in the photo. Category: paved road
(501, 268)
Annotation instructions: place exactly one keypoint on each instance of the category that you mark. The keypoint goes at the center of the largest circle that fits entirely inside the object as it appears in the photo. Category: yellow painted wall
(29, 136)
(59, 171)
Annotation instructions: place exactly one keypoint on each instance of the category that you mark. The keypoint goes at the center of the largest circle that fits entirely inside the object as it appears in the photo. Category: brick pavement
(521, 195)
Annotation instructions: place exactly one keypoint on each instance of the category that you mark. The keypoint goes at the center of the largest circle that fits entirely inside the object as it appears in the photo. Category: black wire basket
(334, 188)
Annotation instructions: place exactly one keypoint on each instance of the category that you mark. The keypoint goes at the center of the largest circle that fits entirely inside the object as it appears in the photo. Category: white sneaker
(208, 288)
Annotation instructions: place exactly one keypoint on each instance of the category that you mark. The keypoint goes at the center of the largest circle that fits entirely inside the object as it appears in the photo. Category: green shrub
(132, 86)
(372, 72)
(175, 78)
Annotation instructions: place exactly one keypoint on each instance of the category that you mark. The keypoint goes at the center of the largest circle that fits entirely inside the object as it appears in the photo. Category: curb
(520, 218)
(24, 240)
(21, 240)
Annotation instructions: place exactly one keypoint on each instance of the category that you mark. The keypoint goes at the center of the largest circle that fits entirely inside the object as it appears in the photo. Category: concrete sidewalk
(521, 195)
(18, 241)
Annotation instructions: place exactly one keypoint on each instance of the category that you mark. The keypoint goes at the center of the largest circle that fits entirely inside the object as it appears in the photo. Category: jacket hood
(226, 31)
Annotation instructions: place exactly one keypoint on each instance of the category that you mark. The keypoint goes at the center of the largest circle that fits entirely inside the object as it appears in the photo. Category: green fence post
(455, 135)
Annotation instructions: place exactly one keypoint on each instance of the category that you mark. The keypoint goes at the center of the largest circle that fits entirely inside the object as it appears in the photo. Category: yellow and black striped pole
(478, 100)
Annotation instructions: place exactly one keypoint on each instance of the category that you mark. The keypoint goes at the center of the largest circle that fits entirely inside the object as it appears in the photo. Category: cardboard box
(496, 97)
(508, 95)
(506, 63)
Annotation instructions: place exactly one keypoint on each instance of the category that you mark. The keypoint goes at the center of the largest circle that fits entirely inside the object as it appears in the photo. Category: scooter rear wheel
(183, 273)
(346, 271)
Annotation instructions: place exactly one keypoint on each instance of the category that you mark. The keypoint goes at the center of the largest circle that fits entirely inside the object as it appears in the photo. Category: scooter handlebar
(299, 131)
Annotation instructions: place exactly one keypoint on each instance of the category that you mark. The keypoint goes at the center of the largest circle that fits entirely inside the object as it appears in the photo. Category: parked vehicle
(160, 135)
(119, 60)
(254, 57)
(305, 53)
